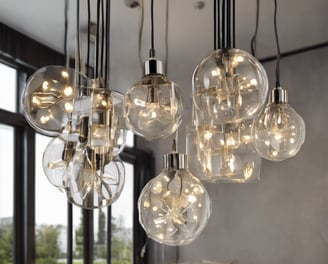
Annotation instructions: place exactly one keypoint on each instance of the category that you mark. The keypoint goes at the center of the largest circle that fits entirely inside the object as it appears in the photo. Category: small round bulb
(48, 98)
(279, 132)
(153, 107)
(174, 207)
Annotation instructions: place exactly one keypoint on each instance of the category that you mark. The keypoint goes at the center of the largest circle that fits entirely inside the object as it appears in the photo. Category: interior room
(87, 181)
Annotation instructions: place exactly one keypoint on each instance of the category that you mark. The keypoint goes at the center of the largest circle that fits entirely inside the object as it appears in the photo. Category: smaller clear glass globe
(279, 132)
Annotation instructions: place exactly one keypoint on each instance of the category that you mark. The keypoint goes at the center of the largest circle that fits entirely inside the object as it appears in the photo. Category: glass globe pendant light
(96, 174)
(229, 85)
(174, 207)
(153, 107)
(279, 132)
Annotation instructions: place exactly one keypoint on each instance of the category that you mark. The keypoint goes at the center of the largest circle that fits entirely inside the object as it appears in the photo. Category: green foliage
(47, 248)
(6, 243)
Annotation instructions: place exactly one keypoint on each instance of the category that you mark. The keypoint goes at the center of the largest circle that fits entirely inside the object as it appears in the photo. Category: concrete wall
(283, 218)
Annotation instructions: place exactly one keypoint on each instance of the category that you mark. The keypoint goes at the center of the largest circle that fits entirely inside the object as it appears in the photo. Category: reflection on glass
(122, 222)
(50, 214)
(6, 192)
(8, 87)
(129, 139)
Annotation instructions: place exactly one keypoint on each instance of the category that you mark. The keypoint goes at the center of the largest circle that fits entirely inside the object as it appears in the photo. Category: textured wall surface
(283, 218)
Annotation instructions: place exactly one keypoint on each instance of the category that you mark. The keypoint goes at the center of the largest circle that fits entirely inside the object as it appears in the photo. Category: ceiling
(301, 23)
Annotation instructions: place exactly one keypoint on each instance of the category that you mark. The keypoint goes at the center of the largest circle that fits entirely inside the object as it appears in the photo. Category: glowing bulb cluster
(153, 107)
(229, 88)
(174, 207)
(83, 159)
(48, 98)
(279, 132)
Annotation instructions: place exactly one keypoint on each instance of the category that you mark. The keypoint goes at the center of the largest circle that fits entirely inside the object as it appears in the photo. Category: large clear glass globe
(279, 132)
(47, 99)
(174, 207)
(153, 107)
(229, 85)
(94, 180)
(56, 158)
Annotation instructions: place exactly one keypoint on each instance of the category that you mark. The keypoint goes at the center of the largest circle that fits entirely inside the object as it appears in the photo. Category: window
(30, 196)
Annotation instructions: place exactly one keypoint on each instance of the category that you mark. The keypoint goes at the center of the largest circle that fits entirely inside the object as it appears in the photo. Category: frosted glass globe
(94, 180)
(174, 207)
(279, 132)
(56, 158)
(153, 107)
(229, 85)
(47, 99)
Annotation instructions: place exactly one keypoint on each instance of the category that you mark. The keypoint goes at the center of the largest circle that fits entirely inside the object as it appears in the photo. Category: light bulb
(174, 207)
(279, 131)
(56, 158)
(153, 107)
(48, 98)
(94, 180)
(229, 85)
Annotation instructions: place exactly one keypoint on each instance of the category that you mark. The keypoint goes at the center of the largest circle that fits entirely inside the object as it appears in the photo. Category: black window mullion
(69, 233)
(88, 236)
(109, 235)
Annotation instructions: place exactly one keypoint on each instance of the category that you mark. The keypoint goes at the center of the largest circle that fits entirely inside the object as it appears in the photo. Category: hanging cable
(78, 52)
(89, 34)
(224, 22)
(215, 24)
(97, 41)
(65, 35)
(253, 40)
(278, 45)
(229, 24)
(166, 36)
(107, 60)
(102, 39)
(141, 23)
(152, 49)
(233, 23)
(219, 24)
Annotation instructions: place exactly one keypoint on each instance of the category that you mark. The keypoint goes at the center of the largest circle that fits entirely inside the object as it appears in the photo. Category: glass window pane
(100, 235)
(129, 139)
(122, 222)
(8, 87)
(77, 235)
(50, 213)
(6, 193)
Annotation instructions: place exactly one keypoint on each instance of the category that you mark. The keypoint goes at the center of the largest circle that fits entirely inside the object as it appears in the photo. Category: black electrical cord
(97, 41)
(102, 39)
(78, 34)
(229, 24)
(215, 24)
(253, 40)
(107, 60)
(152, 45)
(65, 33)
(233, 24)
(224, 22)
(278, 45)
(89, 34)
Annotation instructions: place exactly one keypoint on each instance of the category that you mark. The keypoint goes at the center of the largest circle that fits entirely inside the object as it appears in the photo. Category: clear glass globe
(94, 180)
(174, 207)
(224, 163)
(279, 132)
(153, 107)
(56, 158)
(47, 99)
(229, 85)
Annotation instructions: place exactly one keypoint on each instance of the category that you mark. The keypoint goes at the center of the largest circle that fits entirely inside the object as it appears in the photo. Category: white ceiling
(300, 23)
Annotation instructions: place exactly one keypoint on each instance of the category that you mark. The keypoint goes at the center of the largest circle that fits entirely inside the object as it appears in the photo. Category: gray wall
(283, 218)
